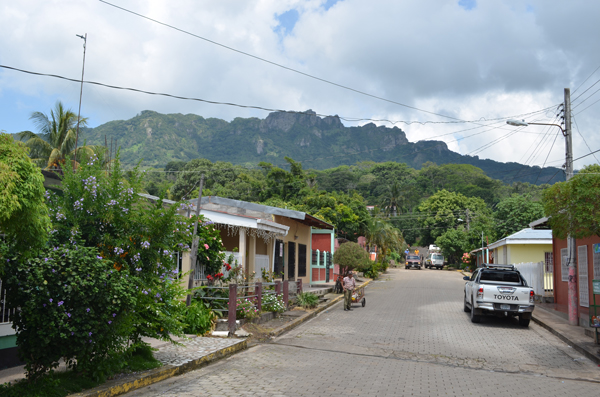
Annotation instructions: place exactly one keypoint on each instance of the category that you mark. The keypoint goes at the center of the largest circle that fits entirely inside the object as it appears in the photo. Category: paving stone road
(412, 338)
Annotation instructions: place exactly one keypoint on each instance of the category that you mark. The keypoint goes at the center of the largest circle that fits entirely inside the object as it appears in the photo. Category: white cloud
(496, 59)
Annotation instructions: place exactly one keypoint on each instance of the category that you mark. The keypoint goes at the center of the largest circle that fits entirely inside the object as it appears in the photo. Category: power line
(548, 155)
(580, 134)
(589, 154)
(288, 68)
(586, 79)
(581, 111)
(591, 95)
(278, 64)
(345, 118)
(589, 88)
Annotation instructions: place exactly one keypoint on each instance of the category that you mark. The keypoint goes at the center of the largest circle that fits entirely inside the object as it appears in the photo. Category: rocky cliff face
(317, 142)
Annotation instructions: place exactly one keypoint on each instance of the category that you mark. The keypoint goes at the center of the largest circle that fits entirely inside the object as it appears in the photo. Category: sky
(449, 70)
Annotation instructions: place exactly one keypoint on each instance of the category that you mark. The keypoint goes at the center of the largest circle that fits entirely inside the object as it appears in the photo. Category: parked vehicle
(498, 290)
(413, 261)
(434, 259)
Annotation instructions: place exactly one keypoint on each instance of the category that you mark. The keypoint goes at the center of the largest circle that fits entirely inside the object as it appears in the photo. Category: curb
(118, 387)
(565, 339)
(294, 323)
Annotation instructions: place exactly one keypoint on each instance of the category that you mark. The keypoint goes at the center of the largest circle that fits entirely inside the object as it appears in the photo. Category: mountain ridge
(317, 142)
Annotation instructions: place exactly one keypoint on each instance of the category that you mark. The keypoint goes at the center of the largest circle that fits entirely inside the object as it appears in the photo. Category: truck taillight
(480, 292)
(531, 296)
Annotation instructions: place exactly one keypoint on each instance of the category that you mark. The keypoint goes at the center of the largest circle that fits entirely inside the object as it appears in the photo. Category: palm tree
(55, 141)
(383, 235)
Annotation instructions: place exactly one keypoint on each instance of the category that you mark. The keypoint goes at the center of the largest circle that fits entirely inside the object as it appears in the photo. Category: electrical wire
(548, 155)
(586, 79)
(589, 88)
(583, 101)
(580, 134)
(279, 65)
(345, 118)
(581, 111)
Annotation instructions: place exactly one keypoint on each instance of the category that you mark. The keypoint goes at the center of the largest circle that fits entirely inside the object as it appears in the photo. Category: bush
(307, 300)
(199, 319)
(71, 306)
(245, 308)
(350, 256)
(273, 303)
(372, 270)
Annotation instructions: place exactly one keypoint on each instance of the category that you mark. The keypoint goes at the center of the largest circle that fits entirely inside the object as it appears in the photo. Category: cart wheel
(364, 302)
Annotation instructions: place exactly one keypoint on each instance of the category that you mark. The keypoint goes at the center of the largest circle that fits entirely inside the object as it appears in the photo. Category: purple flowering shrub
(71, 306)
(138, 238)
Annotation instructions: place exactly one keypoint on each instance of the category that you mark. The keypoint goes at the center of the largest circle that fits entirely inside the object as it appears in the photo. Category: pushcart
(358, 296)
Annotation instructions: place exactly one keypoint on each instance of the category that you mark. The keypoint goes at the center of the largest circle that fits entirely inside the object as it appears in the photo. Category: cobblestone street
(412, 338)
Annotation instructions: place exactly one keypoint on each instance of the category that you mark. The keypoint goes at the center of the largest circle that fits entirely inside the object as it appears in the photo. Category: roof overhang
(541, 223)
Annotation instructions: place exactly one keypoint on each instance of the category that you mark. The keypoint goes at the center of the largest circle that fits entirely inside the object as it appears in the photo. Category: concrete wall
(561, 287)
(298, 234)
(518, 253)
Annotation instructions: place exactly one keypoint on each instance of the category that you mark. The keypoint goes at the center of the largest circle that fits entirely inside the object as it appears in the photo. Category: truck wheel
(466, 309)
(524, 321)
(474, 318)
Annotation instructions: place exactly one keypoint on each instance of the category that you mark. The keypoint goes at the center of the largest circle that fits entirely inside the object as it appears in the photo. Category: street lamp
(573, 299)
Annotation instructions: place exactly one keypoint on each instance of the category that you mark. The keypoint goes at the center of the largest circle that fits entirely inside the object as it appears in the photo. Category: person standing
(349, 286)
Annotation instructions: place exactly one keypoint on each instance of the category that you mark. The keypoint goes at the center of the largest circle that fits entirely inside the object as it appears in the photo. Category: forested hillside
(156, 139)
(424, 205)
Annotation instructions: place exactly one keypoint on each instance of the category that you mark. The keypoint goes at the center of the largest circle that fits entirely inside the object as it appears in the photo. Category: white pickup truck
(499, 290)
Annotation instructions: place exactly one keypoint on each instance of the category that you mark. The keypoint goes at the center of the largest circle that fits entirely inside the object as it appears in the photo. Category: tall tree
(573, 207)
(515, 213)
(55, 141)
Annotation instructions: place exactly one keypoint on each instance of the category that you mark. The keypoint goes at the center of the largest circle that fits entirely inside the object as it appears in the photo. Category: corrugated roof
(525, 236)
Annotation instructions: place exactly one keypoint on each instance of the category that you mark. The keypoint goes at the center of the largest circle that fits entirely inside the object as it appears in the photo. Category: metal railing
(253, 292)
(5, 313)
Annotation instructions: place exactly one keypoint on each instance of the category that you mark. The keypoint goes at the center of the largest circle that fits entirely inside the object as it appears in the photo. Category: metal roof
(526, 236)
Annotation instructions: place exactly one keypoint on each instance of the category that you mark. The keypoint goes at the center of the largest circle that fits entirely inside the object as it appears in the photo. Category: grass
(60, 384)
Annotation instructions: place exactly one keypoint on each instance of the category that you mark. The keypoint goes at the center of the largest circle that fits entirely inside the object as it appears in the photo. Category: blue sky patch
(287, 21)
(329, 3)
(467, 4)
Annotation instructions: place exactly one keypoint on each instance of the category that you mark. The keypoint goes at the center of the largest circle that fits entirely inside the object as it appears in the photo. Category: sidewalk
(574, 335)
(195, 353)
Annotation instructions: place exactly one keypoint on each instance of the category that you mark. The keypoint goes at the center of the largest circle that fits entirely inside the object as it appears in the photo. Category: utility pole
(571, 249)
(84, 37)
(194, 253)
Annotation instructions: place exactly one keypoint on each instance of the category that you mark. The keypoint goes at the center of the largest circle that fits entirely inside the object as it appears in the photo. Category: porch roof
(231, 220)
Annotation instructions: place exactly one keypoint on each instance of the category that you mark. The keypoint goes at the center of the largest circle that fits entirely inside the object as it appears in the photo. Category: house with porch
(264, 237)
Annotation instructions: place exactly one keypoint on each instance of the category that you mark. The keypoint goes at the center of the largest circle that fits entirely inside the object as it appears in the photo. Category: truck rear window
(437, 256)
(506, 277)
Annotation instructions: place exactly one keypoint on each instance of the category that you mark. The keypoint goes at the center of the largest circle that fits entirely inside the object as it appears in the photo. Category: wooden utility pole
(194, 253)
(573, 302)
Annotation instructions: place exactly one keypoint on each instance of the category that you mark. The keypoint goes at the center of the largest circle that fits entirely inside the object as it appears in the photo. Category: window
(504, 277)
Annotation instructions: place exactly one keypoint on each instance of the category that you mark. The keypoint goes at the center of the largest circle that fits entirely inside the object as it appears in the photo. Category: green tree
(350, 256)
(55, 141)
(384, 235)
(445, 210)
(23, 213)
(453, 243)
(573, 207)
(515, 213)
